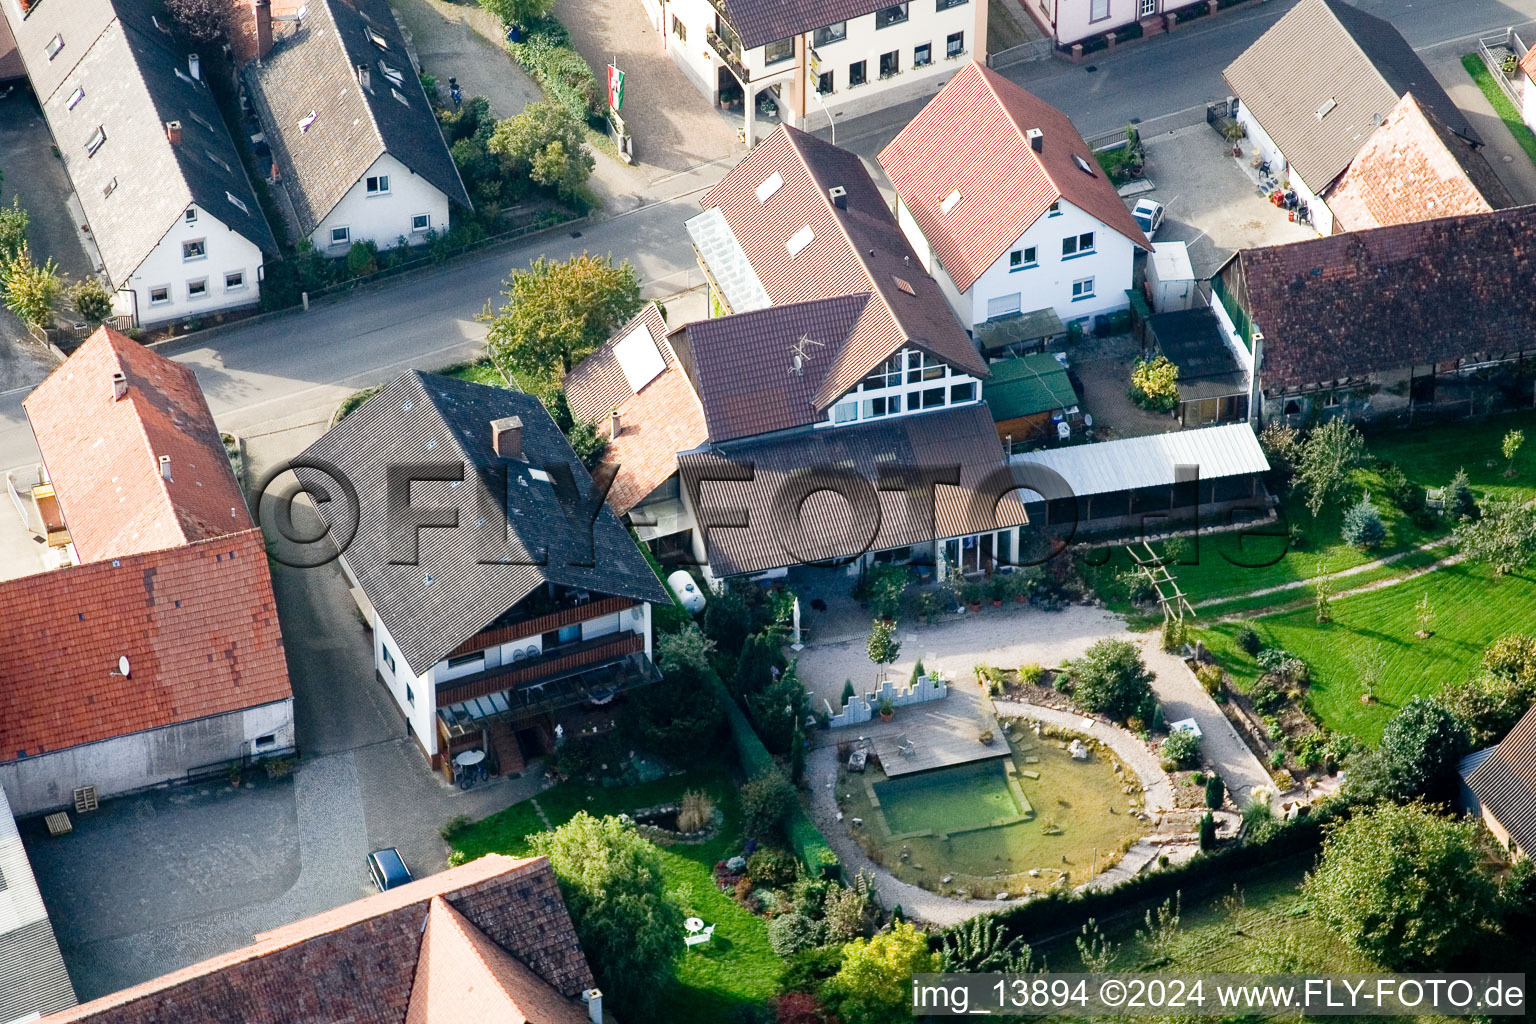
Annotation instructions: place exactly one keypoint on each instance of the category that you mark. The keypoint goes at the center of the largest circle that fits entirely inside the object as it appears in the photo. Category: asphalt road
(294, 369)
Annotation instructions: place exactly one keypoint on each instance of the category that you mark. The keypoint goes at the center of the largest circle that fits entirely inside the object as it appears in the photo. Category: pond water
(986, 826)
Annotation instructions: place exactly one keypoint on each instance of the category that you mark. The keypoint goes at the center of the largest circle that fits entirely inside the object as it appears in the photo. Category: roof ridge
(378, 134)
(1363, 51)
(991, 85)
(139, 406)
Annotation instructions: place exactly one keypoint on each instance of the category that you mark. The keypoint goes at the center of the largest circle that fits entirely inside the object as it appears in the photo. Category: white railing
(1509, 42)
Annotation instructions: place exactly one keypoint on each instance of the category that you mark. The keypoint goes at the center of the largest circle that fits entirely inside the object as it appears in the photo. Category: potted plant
(986, 737)
(887, 710)
(997, 589)
(970, 593)
(1234, 134)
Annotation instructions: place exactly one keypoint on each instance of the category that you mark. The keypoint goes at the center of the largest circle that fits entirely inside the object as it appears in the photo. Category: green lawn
(738, 965)
(1501, 104)
(1472, 608)
(478, 372)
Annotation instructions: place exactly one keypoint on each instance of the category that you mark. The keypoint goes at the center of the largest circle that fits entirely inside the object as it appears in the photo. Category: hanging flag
(615, 88)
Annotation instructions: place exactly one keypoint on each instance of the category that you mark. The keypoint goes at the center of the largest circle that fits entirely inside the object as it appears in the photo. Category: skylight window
(905, 285)
(237, 202)
(540, 475)
(215, 158)
(377, 40)
(1327, 107)
(55, 45)
(96, 141)
(1083, 165)
(950, 201)
(397, 94)
(639, 358)
(75, 98)
(183, 76)
(770, 185)
(393, 74)
(799, 240)
(307, 120)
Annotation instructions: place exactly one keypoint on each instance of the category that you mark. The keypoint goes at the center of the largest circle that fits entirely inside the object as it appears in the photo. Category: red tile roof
(971, 138)
(197, 623)
(463, 976)
(1528, 64)
(661, 419)
(1414, 168)
(103, 454)
(360, 962)
(858, 248)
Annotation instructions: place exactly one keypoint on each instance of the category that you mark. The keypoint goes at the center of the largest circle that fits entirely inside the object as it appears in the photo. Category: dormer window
(55, 45)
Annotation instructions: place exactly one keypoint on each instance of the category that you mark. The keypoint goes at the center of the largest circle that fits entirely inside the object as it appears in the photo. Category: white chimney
(593, 997)
(195, 66)
(613, 424)
(165, 466)
(362, 77)
(507, 437)
(1036, 140)
(119, 385)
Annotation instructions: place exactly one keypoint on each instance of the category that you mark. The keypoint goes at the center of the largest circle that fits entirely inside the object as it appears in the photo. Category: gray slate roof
(315, 71)
(32, 974)
(135, 79)
(1327, 51)
(1504, 782)
(431, 607)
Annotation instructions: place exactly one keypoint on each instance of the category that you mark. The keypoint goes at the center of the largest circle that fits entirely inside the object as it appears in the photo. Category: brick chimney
(173, 132)
(507, 437)
(252, 35)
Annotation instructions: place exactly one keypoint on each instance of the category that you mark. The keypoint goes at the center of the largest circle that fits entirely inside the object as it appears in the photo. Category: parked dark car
(387, 869)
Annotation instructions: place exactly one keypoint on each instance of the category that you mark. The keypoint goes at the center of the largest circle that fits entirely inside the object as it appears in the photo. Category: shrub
(92, 301)
(1210, 678)
(771, 867)
(874, 984)
(1181, 749)
(545, 142)
(1155, 384)
(849, 910)
(13, 229)
(791, 932)
(1111, 678)
(362, 259)
(1282, 447)
(1419, 750)
(695, 811)
(1031, 674)
(1215, 792)
(1362, 526)
(765, 803)
(31, 291)
(1207, 831)
(1285, 667)
(1247, 639)
(1174, 634)
(562, 72)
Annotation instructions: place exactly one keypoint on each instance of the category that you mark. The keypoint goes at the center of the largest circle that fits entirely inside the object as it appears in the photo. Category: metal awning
(1150, 461)
(997, 335)
(595, 683)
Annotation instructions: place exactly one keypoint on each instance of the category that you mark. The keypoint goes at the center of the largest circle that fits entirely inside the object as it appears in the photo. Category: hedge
(804, 837)
(1062, 913)
(563, 74)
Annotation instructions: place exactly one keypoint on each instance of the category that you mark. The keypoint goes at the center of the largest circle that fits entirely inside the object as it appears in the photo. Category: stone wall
(859, 710)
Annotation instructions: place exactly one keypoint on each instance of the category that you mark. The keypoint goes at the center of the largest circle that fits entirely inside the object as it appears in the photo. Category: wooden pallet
(59, 824)
(85, 799)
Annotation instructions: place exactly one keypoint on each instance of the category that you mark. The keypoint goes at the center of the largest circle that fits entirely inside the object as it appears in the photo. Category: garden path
(1353, 570)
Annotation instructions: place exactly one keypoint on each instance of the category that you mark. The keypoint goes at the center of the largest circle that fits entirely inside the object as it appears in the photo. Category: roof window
(96, 141)
(397, 94)
(393, 74)
(769, 186)
(905, 285)
(307, 120)
(215, 158)
(950, 201)
(1327, 107)
(377, 40)
(109, 188)
(54, 46)
(237, 202)
(75, 98)
(1083, 165)
(799, 240)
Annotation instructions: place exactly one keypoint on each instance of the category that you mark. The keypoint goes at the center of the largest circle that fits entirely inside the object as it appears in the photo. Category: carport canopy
(1134, 463)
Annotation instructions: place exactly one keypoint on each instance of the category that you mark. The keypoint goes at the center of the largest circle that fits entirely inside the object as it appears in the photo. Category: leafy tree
(614, 887)
(557, 313)
(1155, 384)
(13, 230)
(1491, 701)
(1510, 447)
(727, 619)
(681, 715)
(776, 708)
(1181, 749)
(1459, 500)
(1362, 526)
(1424, 615)
(980, 946)
(1512, 656)
(1417, 756)
(92, 300)
(547, 143)
(883, 647)
(1322, 592)
(519, 12)
(203, 21)
(874, 984)
(1282, 446)
(765, 803)
(1504, 535)
(1328, 456)
(1111, 678)
(31, 291)
(1402, 885)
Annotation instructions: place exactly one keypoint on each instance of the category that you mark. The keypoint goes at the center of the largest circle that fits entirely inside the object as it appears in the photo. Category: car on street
(1149, 215)
(387, 869)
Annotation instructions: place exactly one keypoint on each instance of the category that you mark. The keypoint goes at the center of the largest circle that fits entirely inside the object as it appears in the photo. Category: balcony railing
(624, 667)
(529, 628)
(551, 664)
(731, 57)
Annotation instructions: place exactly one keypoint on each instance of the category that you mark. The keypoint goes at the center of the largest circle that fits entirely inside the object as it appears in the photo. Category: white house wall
(1528, 101)
(420, 708)
(226, 253)
(1075, 22)
(1258, 141)
(925, 24)
(125, 764)
(1049, 282)
(383, 219)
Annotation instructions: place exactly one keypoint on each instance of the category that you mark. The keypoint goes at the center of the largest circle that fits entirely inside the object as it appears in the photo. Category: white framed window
(377, 184)
(266, 742)
(954, 45)
(55, 45)
(234, 281)
(679, 29)
(197, 288)
(1148, 8)
(1082, 289)
(892, 15)
(1077, 245)
(160, 295)
(96, 141)
(1098, 10)
(386, 656)
(191, 215)
(845, 412)
(780, 51)
(195, 249)
(890, 64)
(341, 236)
(922, 55)
(1054, 210)
(830, 34)
(421, 222)
(75, 98)
(1003, 305)
(909, 381)
(1022, 259)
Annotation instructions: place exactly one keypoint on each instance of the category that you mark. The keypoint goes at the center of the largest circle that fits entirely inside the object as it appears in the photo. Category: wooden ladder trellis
(1155, 568)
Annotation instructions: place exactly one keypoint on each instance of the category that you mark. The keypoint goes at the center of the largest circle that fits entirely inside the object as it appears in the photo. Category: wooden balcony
(543, 624)
(559, 661)
(466, 709)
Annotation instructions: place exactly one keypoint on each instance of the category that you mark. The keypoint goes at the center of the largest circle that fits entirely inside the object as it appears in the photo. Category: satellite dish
(122, 666)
